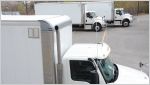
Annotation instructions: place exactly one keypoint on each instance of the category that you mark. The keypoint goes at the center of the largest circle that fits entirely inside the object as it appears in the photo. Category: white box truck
(75, 10)
(38, 49)
(113, 16)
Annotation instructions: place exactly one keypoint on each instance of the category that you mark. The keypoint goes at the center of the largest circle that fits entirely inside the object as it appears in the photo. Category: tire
(97, 27)
(125, 23)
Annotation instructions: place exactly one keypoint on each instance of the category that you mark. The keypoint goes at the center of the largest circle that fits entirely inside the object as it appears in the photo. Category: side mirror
(116, 73)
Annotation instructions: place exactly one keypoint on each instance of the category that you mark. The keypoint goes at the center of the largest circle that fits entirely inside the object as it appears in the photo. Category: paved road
(129, 45)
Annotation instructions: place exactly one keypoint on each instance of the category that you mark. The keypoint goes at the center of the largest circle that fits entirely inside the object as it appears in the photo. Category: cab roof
(85, 51)
(119, 8)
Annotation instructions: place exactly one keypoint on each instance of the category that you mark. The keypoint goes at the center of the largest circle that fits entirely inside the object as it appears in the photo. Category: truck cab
(91, 64)
(97, 22)
(124, 18)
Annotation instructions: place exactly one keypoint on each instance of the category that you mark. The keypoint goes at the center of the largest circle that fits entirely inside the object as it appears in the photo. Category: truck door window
(83, 71)
(118, 12)
(89, 15)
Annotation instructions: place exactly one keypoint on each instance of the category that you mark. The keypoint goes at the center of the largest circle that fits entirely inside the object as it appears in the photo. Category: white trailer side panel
(101, 9)
(29, 47)
(73, 10)
(21, 55)
(0, 54)
(65, 38)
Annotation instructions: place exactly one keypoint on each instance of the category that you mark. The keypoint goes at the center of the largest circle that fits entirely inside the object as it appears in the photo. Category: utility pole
(26, 7)
(138, 9)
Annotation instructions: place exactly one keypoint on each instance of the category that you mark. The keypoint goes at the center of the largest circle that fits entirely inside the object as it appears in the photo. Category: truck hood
(98, 18)
(131, 76)
(128, 15)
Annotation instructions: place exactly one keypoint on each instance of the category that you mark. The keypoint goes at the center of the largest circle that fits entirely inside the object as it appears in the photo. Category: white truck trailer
(38, 49)
(113, 16)
(75, 10)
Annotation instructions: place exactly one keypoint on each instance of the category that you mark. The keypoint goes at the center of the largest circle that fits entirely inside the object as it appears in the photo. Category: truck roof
(119, 8)
(27, 17)
(51, 20)
(85, 51)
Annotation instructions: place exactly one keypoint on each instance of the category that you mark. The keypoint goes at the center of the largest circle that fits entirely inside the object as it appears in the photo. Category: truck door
(118, 15)
(89, 18)
(83, 71)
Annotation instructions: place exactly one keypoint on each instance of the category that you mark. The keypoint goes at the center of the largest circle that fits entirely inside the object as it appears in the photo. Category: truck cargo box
(29, 47)
(73, 10)
(102, 8)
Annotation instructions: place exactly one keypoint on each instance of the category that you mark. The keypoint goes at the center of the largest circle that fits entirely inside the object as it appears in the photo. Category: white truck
(75, 10)
(38, 49)
(113, 16)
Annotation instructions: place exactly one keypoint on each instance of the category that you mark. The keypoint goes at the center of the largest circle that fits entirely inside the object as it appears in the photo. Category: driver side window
(118, 12)
(89, 15)
(83, 71)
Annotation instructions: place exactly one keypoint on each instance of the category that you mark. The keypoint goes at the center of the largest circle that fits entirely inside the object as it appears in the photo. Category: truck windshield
(93, 14)
(107, 69)
(123, 12)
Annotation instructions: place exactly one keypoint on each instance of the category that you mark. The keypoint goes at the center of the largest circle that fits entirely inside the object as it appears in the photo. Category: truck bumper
(132, 19)
(104, 25)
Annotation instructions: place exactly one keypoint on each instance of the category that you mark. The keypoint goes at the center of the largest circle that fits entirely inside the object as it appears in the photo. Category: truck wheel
(125, 23)
(97, 27)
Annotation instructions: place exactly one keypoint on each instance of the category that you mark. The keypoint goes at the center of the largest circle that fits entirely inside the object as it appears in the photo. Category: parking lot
(129, 45)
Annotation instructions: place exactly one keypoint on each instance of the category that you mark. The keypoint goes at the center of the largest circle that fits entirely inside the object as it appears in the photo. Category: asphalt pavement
(129, 45)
